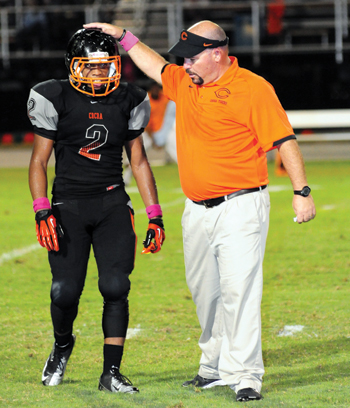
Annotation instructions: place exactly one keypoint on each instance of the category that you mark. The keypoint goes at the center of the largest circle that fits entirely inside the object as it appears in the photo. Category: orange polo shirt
(223, 130)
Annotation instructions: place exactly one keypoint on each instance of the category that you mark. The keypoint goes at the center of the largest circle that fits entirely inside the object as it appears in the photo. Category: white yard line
(135, 190)
(180, 200)
(133, 332)
(290, 330)
(282, 187)
(16, 253)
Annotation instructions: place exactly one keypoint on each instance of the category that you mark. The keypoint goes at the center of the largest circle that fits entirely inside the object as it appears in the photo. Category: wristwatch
(304, 192)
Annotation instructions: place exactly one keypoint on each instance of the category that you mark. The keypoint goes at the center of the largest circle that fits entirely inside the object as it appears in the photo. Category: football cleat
(114, 381)
(204, 383)
(56, 364)
(248, 394)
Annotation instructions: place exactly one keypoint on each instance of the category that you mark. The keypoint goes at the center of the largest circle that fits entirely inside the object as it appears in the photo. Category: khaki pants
(224, 249)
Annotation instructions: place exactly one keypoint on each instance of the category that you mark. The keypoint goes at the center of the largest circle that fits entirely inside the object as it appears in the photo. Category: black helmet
(93, 49)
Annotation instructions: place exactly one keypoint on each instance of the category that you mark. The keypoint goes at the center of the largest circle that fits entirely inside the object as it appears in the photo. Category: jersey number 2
(98, 133)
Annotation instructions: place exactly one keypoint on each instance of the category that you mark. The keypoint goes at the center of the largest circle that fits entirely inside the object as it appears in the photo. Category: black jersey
(89, 133)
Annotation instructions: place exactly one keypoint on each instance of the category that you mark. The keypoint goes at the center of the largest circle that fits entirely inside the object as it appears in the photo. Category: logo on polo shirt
(222, 93)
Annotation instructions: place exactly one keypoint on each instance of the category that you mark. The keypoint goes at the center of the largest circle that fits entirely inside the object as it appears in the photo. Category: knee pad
(65, 295)
(114, 288)
(115, 318)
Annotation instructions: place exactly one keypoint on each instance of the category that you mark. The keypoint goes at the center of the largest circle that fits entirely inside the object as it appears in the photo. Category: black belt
(212, 202)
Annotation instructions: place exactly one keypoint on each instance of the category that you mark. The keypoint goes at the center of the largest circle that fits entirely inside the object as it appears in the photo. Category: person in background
(158, 103)
(160, 131)
(88, 119)
(161, 126)
(227, 118)
(34, 32)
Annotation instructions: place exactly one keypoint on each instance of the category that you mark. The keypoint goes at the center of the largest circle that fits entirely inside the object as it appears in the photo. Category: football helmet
(91, 49)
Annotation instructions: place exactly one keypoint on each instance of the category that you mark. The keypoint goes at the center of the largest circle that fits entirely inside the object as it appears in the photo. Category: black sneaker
(114, 381)
(248, 394)
(56, 364)
(204, 383)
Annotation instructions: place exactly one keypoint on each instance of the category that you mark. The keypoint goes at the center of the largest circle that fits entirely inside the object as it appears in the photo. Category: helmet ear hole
(93, 47)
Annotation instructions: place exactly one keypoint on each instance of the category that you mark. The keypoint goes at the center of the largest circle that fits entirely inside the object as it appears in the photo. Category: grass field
(306, 283)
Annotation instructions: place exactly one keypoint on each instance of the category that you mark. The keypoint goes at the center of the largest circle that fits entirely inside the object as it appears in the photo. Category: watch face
(305, 191)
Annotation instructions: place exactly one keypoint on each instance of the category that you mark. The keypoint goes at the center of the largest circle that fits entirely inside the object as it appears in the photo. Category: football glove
(47, 229)
(155, 236)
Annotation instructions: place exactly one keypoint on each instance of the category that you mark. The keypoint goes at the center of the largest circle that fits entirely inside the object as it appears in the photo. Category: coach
(227, 118)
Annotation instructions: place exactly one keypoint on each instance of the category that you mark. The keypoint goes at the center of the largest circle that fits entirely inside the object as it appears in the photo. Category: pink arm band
(41, 203)
(128, 41)
(154, 211)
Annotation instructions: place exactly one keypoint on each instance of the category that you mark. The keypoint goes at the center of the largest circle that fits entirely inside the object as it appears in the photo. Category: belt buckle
(207, 204)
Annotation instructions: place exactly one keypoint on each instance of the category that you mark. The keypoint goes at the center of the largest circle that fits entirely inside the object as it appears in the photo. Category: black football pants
(106, 224)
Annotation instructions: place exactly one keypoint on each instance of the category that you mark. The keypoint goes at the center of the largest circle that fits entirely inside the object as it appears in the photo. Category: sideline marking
(282, 187)
(132, 332)
(290, 330)
(328, 207)
(278, 188)
(16, 253)
(134, 190)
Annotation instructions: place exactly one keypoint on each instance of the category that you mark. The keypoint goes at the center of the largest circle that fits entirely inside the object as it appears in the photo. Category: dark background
(306, 80)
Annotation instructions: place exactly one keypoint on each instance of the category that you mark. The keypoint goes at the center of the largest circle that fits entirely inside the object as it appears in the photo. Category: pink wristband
(128, 41)
(154, 211)
(41, 203)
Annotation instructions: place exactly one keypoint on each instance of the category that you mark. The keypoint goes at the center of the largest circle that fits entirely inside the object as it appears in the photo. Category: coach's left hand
(304, 208)
(155, 236)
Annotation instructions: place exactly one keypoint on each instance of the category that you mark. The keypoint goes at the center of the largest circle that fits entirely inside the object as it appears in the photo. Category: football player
(87, 120)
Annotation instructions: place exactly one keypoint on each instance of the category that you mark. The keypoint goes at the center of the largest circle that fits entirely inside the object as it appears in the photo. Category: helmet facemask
(85, 84)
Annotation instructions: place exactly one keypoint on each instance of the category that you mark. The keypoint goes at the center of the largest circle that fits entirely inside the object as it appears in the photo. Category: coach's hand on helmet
(155, 236)
(47, 229)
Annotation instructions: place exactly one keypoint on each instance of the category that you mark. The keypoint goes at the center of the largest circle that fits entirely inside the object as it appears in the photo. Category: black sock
(63, 341)
(112, 356)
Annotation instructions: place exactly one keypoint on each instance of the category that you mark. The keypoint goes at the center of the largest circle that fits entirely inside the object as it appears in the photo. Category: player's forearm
(37, 179)
(145, 183)
(294, 164)
(39, 160)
